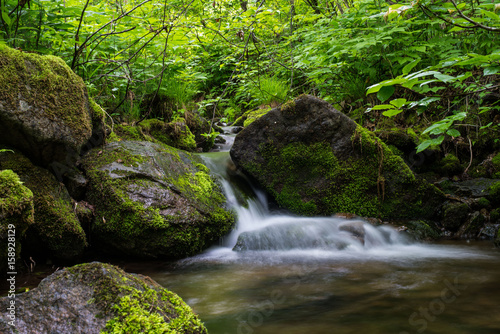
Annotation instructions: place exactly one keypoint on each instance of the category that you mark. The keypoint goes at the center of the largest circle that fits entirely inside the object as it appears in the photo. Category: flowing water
(278, 273)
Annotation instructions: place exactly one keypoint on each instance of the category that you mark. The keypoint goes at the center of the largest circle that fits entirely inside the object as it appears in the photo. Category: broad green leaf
(430, 142)
(453, 133)
(421, 74)
(398, 103)
(392, 112)
(382, 107)
(408, 67)
(491, 15)
(438, 127)
(375, 88)
(444, 77)
(6, 17)
(385, 93)
(491, 70)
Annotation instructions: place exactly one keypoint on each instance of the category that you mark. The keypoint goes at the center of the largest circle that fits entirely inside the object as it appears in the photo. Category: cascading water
(279, 273)
(258, 229)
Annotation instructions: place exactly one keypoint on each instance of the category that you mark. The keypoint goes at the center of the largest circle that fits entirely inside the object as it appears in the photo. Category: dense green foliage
(437, 60)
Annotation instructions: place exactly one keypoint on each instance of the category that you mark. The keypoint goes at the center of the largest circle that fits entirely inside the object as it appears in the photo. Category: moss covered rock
(44, 107)
(99, 298)
(314, 160)
(454, 215)
(154, 201)
(175, 134)
(56, 231)
(16, 214)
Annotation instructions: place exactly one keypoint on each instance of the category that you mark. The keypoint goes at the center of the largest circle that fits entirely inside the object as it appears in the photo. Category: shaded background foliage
(431, 65)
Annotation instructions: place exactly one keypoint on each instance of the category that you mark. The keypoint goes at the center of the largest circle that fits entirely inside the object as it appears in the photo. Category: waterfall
(259, 229)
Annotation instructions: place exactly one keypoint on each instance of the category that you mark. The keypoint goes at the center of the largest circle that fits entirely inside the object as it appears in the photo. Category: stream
(279, 273)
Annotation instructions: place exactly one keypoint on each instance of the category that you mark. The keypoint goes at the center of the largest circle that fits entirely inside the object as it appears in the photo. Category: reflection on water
(328, 275)
(441, 288)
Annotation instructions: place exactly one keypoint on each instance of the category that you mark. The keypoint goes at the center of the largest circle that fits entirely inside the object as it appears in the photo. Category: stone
(16, 215)
(314, 160)
(44, 108)
(153, 201)
(56, 231)
(97, 298)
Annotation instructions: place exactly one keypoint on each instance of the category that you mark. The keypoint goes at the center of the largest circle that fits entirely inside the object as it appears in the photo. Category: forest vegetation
(430, 66)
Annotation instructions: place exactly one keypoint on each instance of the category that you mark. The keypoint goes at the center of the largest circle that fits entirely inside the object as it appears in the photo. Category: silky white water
(279, 273)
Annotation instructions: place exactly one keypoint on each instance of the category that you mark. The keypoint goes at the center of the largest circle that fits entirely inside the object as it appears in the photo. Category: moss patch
(133, 303)
(175, 134)
(154, 200)
(16, 215)
(45, 90)
(56, 229)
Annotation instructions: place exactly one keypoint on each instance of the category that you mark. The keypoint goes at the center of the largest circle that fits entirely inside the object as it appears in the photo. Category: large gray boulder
(314, 160)
(44, 108)
(153, 201)
(97, 298)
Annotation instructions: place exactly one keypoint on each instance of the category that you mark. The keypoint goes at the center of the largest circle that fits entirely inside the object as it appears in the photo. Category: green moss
(310, 179)
(254, 115)
(16, 214)
(188, 208)
(14, 197)
(175, 134)
(132, 304)
(494, 192)
(45, 81)
(56, 228)
(449, 165)
(454, 215)
(423, 230)
(495, 216)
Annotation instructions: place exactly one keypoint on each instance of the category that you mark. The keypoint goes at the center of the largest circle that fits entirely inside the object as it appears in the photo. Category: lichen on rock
(100, 298)
(154, 201)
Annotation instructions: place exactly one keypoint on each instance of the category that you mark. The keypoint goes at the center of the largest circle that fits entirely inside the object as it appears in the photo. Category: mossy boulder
(454, 215)
(250, 116)
(16, 215)
(99, 298)
(44, 107)
(175, 134)
(314, 160)
(154, 201)
(56, 232)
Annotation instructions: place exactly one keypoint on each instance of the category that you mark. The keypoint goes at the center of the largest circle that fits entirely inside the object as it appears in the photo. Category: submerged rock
(56, 231)
(99, 298)
(314, 160)
(153, 201)
(44, 107)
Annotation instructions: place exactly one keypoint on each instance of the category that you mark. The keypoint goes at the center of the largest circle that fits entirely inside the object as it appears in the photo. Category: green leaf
(398, 103)
(491, 15)
(385, 93)
(6, 17)
(453, 133)
(444, 77)
(392, 112)
(491, 70)
(408, 67)
(425, 144)
(382, 107)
